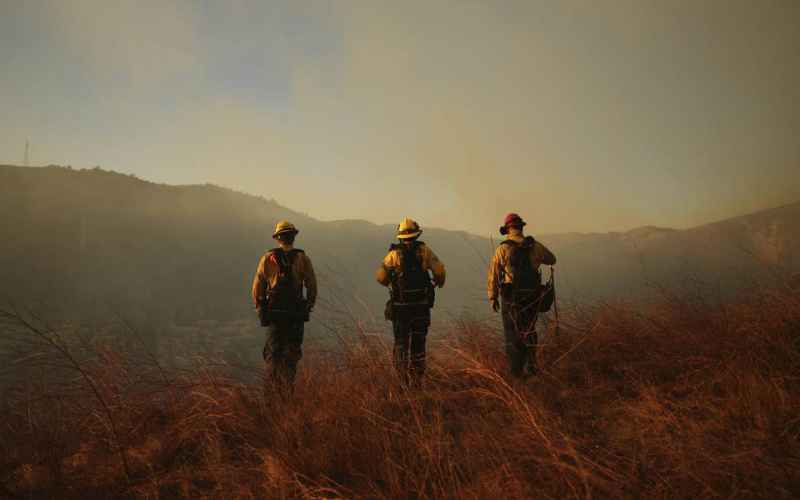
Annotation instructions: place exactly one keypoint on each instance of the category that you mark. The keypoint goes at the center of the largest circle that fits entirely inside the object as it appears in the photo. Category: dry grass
(681, 400)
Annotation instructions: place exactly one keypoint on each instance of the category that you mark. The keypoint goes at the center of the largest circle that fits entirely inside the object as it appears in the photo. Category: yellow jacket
(428, 259)
(500, 269)
(267, 276)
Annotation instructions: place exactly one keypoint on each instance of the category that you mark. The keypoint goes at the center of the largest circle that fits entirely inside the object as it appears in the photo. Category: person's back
(514, 278)
(407, 270)
(501, 271)
(277, 292)
(411, 288)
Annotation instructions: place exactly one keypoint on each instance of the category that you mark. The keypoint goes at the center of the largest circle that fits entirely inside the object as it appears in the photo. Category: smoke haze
(581, 117)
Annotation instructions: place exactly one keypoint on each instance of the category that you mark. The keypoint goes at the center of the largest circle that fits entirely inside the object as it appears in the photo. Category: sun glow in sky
(582, 116)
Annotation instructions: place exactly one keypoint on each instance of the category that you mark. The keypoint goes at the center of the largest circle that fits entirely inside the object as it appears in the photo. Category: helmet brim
(285, 231)
(504, 228)
(408, 236)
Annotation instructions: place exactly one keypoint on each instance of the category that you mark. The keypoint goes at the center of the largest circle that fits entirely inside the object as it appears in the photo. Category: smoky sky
(581, 116)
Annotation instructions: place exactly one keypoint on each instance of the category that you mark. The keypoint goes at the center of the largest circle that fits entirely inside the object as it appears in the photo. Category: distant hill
(90, 238)
(86, 239)
(721, 258)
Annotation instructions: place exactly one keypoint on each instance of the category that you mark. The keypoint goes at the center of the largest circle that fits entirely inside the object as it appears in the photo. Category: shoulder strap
(401, 246)
(291, 256)
(415, 250)
(280, 251)
(283, 259)
(402, 249)
(404, 252)
(529, 241)
(520, 251)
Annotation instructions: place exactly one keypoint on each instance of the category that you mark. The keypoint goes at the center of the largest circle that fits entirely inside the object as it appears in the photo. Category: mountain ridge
(645, 229)
(190, 250)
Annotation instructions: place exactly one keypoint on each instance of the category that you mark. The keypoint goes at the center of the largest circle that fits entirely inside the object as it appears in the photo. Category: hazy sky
(582, 116)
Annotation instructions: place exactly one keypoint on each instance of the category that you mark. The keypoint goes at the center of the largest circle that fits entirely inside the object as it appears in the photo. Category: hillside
(93, 238)
(677, 400)
(721, 258)
(86, 240)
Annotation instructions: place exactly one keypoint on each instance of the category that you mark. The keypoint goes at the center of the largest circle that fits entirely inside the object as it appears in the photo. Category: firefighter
(277, 292)
(411, 271)
(515, 280)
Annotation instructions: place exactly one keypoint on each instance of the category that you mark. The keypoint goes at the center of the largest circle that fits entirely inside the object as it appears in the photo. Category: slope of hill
(725, 256)
(87, 239)
(672, 400)
(92, 238)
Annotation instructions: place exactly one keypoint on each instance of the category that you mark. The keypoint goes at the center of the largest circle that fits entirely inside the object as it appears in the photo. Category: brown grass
(680, 400)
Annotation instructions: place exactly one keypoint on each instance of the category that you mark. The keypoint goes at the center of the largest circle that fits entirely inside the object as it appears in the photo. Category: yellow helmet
(284, 227)
(408, 229)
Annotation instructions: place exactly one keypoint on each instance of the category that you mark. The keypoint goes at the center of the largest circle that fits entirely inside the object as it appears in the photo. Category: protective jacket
(428, 260)
(500, 269)
(267, 276)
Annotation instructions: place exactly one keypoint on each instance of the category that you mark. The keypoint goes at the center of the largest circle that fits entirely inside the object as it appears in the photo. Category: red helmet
(511, 219)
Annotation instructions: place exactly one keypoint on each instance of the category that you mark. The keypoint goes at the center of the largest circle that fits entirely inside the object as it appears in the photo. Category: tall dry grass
(677, 400)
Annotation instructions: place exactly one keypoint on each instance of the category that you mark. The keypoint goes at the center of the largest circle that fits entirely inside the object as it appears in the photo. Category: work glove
(495, 304)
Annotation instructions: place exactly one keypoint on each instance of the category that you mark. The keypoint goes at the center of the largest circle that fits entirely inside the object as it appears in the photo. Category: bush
(676, 400)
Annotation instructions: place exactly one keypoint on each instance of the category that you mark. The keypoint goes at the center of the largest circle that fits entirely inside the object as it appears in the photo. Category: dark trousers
(519, 327)
(410, 333)
(283, 351)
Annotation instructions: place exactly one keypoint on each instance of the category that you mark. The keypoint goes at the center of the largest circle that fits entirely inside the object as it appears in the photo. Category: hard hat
(284, 227)
(408, 229)
(511, 219)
